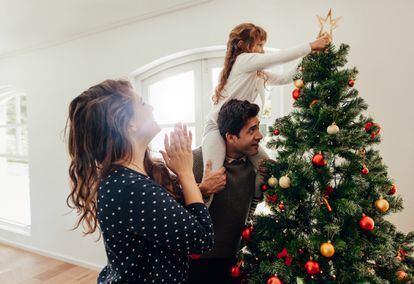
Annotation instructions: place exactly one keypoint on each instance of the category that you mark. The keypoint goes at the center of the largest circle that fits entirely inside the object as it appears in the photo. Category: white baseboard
(57, 256)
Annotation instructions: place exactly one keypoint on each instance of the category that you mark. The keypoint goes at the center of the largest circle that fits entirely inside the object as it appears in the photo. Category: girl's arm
(249, 62)
(281, 78)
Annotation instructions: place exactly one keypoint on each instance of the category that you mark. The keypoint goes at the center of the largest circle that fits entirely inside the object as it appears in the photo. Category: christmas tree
(328, 190)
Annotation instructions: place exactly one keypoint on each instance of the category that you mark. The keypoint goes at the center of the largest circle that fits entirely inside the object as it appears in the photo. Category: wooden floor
(19, 266)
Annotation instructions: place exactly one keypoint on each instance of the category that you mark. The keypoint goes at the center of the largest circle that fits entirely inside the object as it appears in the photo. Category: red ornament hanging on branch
(364, 170)
(247, 232)
(274, 280)
(366, 223)
(318, 160)
(235, 271)
(351, 82)
(296, 94)
(276, 132)
(312, 267)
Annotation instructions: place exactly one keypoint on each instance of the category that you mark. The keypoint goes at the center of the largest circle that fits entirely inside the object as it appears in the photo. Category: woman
(119, 189)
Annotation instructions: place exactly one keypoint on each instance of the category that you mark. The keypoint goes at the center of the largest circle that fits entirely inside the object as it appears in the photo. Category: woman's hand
(321, 43)
(178, 155)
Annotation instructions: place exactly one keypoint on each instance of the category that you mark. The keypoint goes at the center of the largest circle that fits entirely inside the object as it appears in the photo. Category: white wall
(378, 32)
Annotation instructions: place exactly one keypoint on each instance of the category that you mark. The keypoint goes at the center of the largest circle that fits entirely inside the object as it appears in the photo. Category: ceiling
(26, 25)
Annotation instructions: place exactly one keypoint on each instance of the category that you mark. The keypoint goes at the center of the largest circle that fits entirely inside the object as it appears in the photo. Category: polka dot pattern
(147, 234)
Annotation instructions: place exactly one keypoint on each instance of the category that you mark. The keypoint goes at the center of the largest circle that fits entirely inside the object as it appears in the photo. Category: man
(239, 126)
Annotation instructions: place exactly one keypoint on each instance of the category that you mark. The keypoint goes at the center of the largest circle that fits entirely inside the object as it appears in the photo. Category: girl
(118, 188)
(243, 78)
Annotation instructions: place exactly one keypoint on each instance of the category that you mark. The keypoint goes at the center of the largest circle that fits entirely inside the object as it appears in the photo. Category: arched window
(14, 170)
(180, 87)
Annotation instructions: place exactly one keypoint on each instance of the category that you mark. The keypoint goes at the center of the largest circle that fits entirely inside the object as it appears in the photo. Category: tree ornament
(276, 132)
(332, 129)
(264, 187)
(366, 223)
(299, 83)
(392, 190)
(296, 94)
(351, 83)
(328, 190)
(401, 275)
(247, 232)
(281, 206)
(272, 181)
(271, 198)
(327, 249)
(235, 271)
(314, 102)
(368, 125)
(284, 182)
(382, 205)
(365, 170)
(312, 267)
(318, 160)
(274, 280)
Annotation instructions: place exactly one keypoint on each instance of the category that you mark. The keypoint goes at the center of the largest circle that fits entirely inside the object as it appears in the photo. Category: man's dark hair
(234, 114)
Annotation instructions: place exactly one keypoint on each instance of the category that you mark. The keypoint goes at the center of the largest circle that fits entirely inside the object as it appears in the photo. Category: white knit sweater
(244, 83)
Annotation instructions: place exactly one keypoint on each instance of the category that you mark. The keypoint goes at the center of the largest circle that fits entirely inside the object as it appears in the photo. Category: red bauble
(365, 170)
(366, 223)
(296, 94)
(195, 256)
(274, 280)
(271, 198)
(392, 190)
(328, 190)
(264, 187)
(281, 206)
(351, 83)
(318, 160)
(276, 132)
(235, 271)
(312, 267)
(247, 232)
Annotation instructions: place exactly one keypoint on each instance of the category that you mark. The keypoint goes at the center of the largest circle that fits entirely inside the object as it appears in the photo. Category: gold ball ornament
(401, 275)
(327, 249)
(284, 182)
(332, 129)
(272, 181)
(382, 205)
(299, 83)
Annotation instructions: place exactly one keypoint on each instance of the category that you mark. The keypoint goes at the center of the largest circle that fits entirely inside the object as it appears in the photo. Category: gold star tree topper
(330, 23)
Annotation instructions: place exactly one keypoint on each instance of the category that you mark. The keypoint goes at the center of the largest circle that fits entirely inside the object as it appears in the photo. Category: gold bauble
(284, 182)
(272, 181)
(299, 83)
(401, 275)
(327, 249)
(382, 205)
(332, 129)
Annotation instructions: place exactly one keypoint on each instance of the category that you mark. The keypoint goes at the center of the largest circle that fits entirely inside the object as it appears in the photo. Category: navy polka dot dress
(147, 234)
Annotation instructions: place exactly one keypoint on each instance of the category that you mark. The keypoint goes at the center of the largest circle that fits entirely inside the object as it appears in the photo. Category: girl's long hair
(241, 39)
(98, 140)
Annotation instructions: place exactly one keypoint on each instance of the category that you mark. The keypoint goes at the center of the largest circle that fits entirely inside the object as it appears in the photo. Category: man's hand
(212, 182)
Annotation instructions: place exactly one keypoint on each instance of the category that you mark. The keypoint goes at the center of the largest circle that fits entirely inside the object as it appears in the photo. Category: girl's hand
(321, 43)
(178, 155)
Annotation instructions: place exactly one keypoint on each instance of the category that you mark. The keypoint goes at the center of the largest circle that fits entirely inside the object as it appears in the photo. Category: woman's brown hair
(98, 140)
(241, 39)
